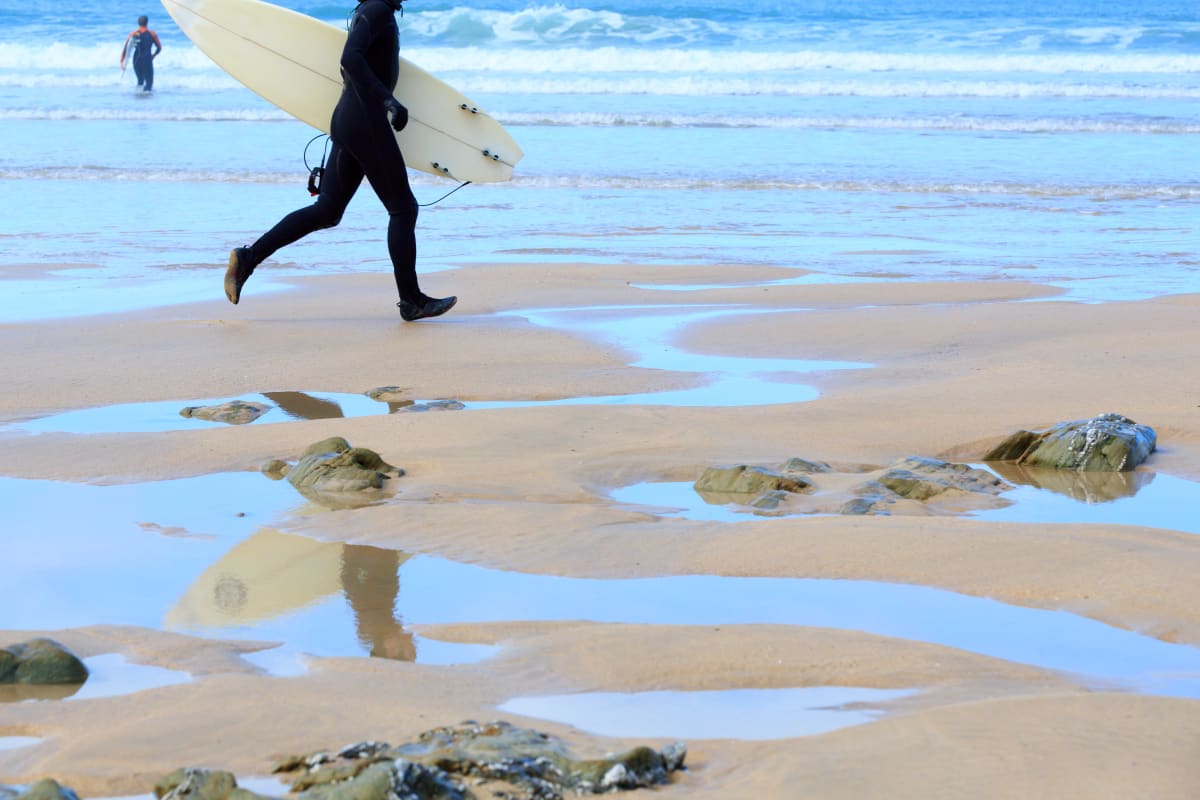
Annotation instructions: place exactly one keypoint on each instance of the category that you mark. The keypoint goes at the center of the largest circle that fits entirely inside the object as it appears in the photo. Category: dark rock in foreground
(40, 661)
(529, 765)
(1105, 443)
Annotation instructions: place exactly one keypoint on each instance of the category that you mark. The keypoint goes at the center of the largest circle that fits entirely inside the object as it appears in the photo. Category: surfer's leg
(139, 72)
(385, 169)
(341, 180)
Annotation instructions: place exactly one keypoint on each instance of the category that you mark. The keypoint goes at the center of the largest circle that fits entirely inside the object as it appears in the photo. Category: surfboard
(291, 60)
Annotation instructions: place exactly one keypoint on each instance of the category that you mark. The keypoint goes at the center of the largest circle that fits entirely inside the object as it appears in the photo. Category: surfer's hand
(398, 113)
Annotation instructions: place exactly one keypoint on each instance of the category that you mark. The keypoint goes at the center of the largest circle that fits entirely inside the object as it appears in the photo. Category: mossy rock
(41, 661)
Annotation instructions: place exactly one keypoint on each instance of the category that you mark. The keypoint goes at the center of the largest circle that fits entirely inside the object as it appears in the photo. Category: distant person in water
(363, 144)
(145, 46)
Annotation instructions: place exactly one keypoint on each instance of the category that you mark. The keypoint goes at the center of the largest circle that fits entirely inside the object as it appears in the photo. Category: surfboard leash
(443, 197)
(315, 173)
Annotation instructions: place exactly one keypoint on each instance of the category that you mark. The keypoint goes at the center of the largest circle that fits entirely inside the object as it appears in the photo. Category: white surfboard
(292, 61)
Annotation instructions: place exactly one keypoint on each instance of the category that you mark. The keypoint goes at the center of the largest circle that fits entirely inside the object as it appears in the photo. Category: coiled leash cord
(316, 173)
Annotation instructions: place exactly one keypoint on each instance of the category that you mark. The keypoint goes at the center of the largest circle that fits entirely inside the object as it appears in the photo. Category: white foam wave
(698, 86)
(936, 123)
(962, 123)
(692, 61)
(106, 80)
(64, 57)
(138, 114)
(19, 57)
(640, 183)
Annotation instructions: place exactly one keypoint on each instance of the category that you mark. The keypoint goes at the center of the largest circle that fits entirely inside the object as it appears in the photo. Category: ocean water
(913, 139)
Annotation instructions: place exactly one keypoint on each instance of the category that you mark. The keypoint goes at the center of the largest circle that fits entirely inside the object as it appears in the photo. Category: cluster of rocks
(918, 484)
(505, 760)
(929, 482)
(334, 474)
(459, 762)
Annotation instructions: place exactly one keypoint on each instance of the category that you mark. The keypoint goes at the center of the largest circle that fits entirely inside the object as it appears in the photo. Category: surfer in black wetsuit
(143, 43)
(363, 144)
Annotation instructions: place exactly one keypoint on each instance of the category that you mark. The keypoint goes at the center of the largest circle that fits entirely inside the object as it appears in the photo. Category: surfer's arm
(157, 44)
(354, 56)
(125, 48)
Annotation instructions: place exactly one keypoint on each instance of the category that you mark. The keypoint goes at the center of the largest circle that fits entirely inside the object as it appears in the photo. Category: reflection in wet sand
(1086, 487)
(91, 562)
(371, 581)
(273, 574)
(300, 405)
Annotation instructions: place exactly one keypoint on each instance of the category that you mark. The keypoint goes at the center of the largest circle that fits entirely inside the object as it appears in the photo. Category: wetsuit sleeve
(125, 47)
(157, 44)
(367, 24)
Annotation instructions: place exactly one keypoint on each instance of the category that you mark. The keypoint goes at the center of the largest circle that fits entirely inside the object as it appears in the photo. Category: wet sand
(947, 370)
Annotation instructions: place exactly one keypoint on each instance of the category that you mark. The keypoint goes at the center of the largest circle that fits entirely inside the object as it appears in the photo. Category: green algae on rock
(1104, 443)
(331, 473)
(742, 483)
(40, 661)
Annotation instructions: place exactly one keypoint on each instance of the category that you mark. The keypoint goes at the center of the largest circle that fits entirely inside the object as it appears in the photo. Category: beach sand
(953, 369)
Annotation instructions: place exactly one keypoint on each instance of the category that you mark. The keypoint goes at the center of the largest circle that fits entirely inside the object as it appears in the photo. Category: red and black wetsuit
(364, 144)
(144, 45)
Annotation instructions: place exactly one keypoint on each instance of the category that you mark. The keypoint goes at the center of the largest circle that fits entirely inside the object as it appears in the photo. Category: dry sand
(954, 368)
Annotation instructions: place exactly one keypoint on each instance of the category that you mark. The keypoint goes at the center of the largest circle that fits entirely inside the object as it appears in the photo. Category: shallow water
(752, 714)
(185, 555)
(647, 333)
(16, 742)
(925, 140)
(151, 555)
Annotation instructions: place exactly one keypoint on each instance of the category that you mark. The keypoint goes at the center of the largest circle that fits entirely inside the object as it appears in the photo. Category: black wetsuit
(363, 144)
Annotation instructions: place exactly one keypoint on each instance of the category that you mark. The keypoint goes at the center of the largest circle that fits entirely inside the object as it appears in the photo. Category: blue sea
(912, 139)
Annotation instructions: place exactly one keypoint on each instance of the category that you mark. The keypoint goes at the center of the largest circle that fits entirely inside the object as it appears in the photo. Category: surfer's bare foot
(432, 307)
(237, 273)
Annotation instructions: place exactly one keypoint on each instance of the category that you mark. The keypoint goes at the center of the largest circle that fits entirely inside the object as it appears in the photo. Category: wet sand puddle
(17, 742)
(645, 332)
(150, 555)
(1143, 498)
(202, 556)
(108, 675)
(199, 554)
(751, 714)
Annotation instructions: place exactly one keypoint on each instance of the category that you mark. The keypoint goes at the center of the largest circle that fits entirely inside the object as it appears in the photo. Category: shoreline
(952, 368)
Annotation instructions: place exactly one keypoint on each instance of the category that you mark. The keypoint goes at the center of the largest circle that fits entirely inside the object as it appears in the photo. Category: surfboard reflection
(274, 575)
